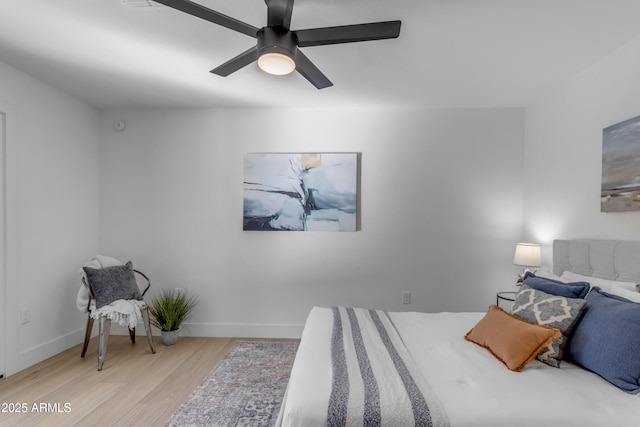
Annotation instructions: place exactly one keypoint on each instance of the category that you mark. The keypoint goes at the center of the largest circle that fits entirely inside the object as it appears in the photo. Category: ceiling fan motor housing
(277, 40)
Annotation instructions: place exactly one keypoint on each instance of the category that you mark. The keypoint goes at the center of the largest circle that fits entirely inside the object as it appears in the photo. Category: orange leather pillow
(513, 341)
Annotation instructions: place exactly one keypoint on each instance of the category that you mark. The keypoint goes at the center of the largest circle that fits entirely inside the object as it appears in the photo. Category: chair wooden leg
(87, 334)
(147, 327)
(132, 335)
(104, 327)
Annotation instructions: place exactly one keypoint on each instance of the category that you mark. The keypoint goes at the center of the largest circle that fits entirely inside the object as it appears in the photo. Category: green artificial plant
(170, 308)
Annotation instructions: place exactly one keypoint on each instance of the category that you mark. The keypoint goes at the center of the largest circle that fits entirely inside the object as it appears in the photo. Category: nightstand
(505, 296)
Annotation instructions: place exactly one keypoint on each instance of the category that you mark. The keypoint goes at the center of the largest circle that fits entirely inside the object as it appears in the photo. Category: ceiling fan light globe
(276, 63)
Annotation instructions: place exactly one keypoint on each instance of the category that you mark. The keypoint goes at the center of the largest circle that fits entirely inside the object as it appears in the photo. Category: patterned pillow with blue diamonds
(542, 308)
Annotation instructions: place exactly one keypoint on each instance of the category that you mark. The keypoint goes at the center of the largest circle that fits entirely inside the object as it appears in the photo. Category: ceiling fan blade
(207, 14)
(279, 13)
(348, 33)
(233, 65)
(311, 72)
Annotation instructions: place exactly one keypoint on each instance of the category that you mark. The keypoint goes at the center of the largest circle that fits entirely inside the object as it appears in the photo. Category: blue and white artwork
(621, 167)
(300, 192)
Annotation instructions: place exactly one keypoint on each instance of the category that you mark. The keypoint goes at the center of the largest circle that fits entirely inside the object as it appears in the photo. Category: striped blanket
(375, 381)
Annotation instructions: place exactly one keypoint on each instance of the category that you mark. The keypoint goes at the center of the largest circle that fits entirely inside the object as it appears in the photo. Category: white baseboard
(37, 354)
(236, 330)
(241, 330)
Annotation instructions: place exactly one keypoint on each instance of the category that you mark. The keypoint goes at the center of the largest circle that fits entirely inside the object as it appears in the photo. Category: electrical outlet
(177, 290)
(406, 297)
(25, 316)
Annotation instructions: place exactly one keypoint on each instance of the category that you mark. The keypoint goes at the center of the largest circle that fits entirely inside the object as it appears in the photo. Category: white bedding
(474, 388)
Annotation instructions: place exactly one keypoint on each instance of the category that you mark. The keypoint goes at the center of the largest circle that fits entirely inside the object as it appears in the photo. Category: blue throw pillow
(555, 287)
(607, 340)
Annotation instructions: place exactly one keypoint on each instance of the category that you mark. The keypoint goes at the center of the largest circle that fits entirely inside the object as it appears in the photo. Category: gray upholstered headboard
(606, 259)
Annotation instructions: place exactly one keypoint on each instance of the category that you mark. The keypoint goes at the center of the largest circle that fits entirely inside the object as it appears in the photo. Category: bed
(467, 383)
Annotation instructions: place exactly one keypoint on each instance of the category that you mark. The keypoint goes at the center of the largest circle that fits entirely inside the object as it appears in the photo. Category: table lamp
(528, 256)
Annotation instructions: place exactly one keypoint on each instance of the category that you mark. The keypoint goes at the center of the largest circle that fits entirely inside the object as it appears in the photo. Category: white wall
(441, 211)
(442, 202)
(55, 212)
(563, 154)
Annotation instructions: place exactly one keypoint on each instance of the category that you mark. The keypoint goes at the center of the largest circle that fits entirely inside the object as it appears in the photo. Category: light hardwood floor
(134, 388)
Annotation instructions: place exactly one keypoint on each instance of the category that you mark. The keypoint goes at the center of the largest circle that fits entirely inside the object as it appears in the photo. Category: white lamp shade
(527, 255)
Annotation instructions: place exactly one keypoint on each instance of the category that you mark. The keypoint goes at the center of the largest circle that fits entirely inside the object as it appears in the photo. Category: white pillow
(605, 284)
(624, 293)
(545, 272)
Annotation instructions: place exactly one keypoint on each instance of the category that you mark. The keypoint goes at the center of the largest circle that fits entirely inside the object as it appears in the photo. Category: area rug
(245, 389)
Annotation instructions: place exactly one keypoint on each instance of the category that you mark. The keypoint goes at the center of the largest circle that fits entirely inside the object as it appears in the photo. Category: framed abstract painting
(301, 191)
(620, 189)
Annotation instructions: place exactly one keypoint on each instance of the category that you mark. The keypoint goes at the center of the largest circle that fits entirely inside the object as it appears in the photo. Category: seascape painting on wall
(301, 191)
(621, 167)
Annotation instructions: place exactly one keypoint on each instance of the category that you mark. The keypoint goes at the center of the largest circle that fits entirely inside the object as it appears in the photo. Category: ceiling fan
(277, 48)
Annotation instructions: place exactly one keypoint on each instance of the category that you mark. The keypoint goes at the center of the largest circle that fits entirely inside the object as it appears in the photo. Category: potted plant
(168, 310)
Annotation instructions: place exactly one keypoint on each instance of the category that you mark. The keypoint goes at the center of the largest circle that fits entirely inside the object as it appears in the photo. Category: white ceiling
(450, 53)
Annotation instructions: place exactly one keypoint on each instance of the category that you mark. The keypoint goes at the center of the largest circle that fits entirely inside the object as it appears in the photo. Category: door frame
(9, 297)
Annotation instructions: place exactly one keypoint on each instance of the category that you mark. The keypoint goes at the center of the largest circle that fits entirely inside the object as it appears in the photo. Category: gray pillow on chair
(109, 284)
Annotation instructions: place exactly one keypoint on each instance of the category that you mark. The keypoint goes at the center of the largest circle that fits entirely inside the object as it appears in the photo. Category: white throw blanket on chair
(124, 312)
